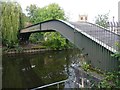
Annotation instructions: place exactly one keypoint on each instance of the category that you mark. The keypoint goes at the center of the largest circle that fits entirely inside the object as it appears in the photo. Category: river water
(31, 70)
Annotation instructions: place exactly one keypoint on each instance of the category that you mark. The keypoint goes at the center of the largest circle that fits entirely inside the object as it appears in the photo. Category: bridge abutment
(24, 38)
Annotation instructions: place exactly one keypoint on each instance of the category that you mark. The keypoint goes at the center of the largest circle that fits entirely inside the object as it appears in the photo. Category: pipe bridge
(97, 42)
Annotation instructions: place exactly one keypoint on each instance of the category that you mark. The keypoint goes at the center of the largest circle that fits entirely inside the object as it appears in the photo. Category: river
(31, 70)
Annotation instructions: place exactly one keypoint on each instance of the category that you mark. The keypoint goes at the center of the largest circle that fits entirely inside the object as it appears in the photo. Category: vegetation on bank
(112, 79)
(13, 19)
(53, 40)
(108, 79)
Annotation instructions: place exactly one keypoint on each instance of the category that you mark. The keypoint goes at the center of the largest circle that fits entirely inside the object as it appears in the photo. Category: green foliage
(36, 37)
(104, 84)
(11, 22)
(102, 20)
(112, 79)
(31, 12)
(22, 20)
(18, 49)
(86, 66)
(55, 41)
(53, 11)
(117, 54)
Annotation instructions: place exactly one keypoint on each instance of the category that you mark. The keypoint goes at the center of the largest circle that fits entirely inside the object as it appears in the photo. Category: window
(81, 18)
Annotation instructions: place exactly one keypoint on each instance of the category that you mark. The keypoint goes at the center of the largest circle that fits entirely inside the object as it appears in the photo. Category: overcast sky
(73, 8)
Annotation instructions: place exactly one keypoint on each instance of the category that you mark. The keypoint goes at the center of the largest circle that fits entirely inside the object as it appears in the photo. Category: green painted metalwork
(97, 42)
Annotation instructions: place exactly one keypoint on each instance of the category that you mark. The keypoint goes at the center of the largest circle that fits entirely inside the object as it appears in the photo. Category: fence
(114, 27)
(52, 84)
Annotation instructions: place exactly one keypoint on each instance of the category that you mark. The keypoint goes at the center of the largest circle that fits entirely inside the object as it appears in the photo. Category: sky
(74, 8)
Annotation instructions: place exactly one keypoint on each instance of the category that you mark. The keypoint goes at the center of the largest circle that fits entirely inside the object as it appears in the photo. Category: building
(119, 11)
(83, 18)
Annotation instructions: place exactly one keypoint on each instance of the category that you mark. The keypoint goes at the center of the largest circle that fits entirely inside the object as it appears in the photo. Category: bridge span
(95, 41)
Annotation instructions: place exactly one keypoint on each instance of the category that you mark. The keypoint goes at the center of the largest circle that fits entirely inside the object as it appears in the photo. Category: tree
(102, 20)
(11, 21)
(22, 20)
(53, 11)
(55, 40)
(31, 12)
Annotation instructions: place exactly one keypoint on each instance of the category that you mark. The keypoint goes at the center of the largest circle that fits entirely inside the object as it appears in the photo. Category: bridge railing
(114, 27)
(52, 84)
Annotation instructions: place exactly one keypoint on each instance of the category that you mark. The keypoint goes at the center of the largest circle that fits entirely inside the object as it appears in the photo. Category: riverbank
(24, 49)
(30, 48)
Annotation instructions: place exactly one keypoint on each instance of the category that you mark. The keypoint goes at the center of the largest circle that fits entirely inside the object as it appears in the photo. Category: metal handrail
(48, 85)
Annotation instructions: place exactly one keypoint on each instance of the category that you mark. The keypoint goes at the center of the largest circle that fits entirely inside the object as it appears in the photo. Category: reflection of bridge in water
(97, 42)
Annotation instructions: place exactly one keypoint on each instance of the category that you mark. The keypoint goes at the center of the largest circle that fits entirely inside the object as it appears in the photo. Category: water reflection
(33, 70)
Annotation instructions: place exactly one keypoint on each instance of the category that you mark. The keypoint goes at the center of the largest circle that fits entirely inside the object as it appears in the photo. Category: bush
(54, 40)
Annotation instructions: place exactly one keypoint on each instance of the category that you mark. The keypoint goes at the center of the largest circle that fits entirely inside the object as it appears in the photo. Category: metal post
(58, 86)
(82, 82)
